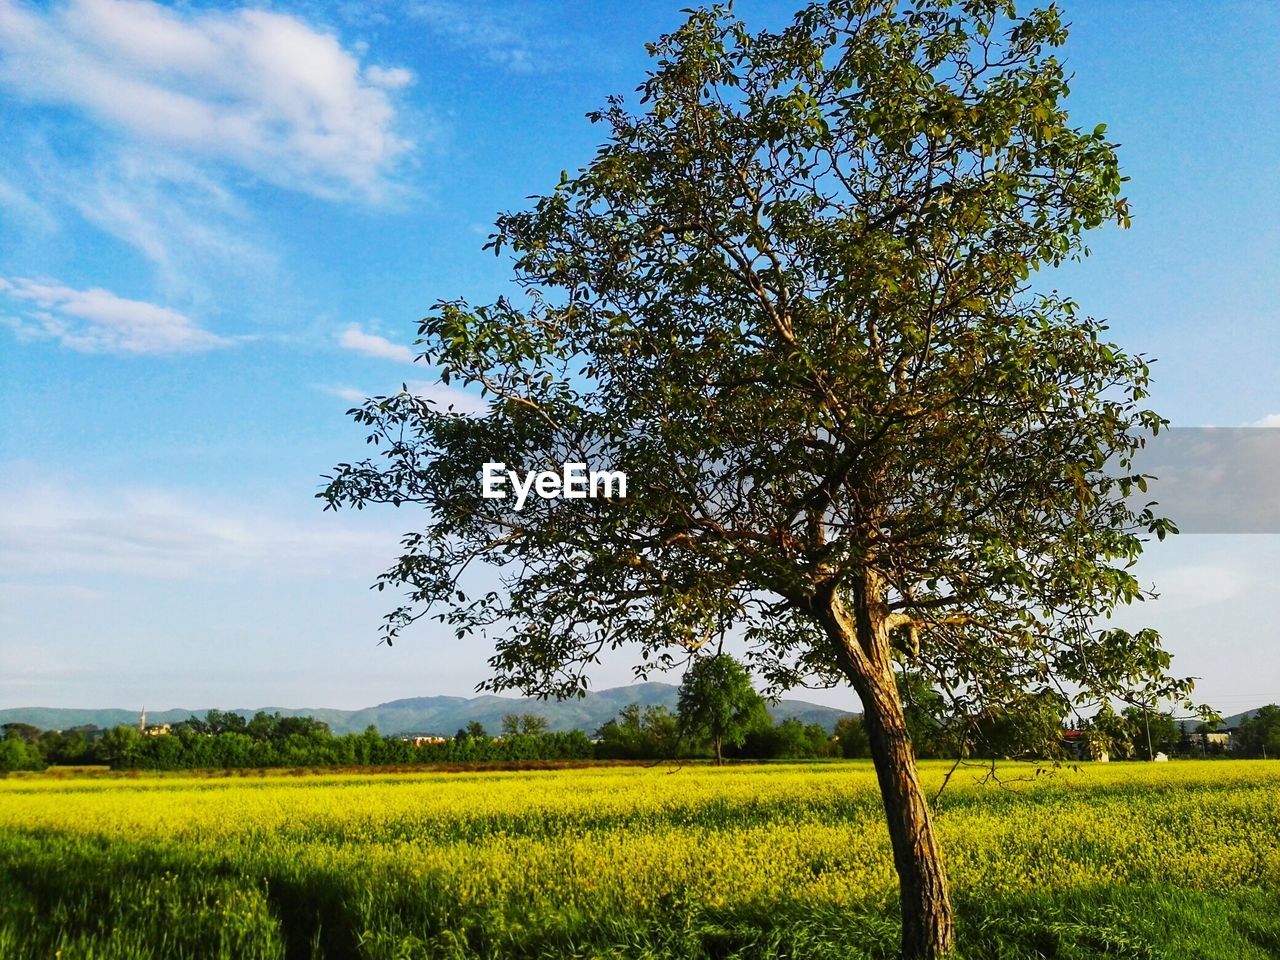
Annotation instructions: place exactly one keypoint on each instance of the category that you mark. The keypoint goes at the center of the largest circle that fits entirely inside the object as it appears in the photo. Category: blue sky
(220, 223)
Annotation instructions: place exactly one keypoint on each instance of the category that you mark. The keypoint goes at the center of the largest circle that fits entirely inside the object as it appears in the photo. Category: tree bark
(719, 756)
(862, 640)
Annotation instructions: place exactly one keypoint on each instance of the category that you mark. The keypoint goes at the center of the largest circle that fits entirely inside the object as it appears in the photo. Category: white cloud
(372, 345)
(260, 90)
(445, 396)
(98, 321)
(392, 78)
(350, 394)
(1270, 420)
(440, 394)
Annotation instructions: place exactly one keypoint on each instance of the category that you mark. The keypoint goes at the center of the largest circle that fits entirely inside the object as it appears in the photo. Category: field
(1177, 860)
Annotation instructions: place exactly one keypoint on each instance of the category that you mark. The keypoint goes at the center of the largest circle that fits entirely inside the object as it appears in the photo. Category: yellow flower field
(608, 861)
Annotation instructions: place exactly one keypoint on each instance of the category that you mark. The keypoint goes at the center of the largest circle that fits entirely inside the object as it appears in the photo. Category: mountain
(435, 715)
(1236, 719)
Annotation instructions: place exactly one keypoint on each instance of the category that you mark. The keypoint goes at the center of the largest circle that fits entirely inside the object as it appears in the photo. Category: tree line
(720, 714)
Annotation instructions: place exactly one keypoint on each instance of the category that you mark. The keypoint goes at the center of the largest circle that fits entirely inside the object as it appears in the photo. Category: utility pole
(1146, 719)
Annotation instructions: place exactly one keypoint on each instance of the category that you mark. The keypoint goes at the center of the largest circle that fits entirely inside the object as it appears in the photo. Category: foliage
(789, 740)
(851, 738)
(16, 753)
(1142, 723)
(270, 740)
(791, 298)
(526, 724)
(474, 729)
(1260, 733)
(717, 702)
(214, 722)
(649, 734)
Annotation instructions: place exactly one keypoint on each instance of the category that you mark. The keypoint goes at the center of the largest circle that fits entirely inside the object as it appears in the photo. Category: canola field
(1177, 860)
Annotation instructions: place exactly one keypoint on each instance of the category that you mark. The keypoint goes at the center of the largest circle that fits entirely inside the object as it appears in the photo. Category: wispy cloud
(438, 393)
(372, 345)
(21, 205)
(98, 321)
(60, 529)
(252, 88)
(446, 396)
(349, 394)
(501, 40)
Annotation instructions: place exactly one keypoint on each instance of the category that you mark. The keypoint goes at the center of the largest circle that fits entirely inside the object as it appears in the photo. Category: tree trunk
(719, 756)
(928, 930)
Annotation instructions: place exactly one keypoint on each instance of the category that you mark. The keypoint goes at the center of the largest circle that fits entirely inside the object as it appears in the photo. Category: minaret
(142, 720)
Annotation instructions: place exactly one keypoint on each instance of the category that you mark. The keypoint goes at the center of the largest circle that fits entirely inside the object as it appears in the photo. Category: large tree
(790, 296)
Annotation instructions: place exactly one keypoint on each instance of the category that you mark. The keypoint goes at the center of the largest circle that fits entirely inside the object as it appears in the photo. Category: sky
(220, 224)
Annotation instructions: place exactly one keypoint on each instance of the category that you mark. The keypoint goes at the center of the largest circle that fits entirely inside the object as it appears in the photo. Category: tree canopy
(718, 702)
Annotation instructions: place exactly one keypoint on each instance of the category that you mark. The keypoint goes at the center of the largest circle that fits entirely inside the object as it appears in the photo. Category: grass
(1175, 861)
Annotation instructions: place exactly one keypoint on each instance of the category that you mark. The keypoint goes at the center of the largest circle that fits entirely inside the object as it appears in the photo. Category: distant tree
(16, 753)
(718, 702)
(262, 726)
(25, 731)
(636, 733)
(224, 721)
(58, 747)
(1029, 726)
(1150, 731)
(851, 738)
(527, 724)
(308, 728)
(622, 737)
(1260, 733)
(793, 740)
(476, 731)
(532, 725)
(120, 747)
(660, 729)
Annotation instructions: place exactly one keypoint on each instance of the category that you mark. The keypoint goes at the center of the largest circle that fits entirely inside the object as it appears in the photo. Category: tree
(791, 739)
(527, 724)
(17, 753)
(851, 738)
(24, 731)
(717, 702)
(652, 734)
(121, 747)
(1029, 728)
(791, 297)
(1260, 733)
(1150, 731)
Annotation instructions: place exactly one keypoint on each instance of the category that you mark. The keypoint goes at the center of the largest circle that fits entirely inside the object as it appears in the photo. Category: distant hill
(436, 715)
(1236, 719)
